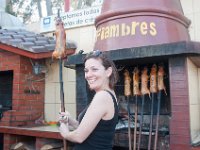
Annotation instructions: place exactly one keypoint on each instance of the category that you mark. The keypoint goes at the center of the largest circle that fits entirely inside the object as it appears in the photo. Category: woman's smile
(91, 81)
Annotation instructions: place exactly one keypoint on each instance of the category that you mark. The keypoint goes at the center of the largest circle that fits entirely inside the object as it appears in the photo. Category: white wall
(192, 11)
(2, 5)
(194, 97)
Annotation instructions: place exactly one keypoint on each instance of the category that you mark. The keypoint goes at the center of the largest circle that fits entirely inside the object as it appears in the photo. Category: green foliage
(9, 7)
(26, 9)
(9, 10)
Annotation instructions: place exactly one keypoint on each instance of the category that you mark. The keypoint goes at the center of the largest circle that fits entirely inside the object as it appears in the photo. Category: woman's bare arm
(99, 107)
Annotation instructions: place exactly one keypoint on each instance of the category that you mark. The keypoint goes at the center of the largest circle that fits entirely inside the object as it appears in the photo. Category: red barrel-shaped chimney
(134, 23)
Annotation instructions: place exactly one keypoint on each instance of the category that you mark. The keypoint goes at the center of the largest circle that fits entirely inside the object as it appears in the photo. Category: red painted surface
(16, 134)
(23, 131)
(25, 53)
(195, 148)
(67, 5)
(140, 23)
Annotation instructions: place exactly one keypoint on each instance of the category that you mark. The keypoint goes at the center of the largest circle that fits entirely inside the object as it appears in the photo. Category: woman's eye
(94, 69)
(85, 70)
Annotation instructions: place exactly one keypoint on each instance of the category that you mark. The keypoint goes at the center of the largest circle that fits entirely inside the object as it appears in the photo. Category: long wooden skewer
(127, 93)
(62, 96)
(161, 87)
(57, 54)
(144, 91)
(153, 90)
(135, 128)
(136, 93)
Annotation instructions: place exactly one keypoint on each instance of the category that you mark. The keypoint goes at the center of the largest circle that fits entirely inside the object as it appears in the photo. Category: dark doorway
(6, 87)
(1, 141)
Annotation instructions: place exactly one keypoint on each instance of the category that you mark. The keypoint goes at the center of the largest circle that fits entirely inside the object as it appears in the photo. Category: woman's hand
(64, 117)
(64, 123)
(64, 129)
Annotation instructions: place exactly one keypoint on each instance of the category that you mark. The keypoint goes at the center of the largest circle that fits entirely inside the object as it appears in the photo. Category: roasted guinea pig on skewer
(136, 78)
(161, 73)
(153, 79)
(136, 93)
(144, 79)
(127, 83)
(60, 48)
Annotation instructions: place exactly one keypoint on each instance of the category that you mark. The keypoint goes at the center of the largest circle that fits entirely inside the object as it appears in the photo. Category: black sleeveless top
(102, 136)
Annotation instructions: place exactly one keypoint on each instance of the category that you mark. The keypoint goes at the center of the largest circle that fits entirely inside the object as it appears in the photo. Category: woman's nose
(88, 74)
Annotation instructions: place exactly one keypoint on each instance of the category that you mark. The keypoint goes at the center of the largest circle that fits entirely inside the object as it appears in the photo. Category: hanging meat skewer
(127, 93)
(153, 79)
(161, 73)
(153, 90)
(144, 91)
(161, 87)
(59, 53)
(60, 48)
(136, 78)
(127, 83)
(145, 78)
(136, 93)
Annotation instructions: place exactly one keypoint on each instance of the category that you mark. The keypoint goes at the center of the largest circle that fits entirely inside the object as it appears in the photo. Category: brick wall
(27, 91)
(179, 123)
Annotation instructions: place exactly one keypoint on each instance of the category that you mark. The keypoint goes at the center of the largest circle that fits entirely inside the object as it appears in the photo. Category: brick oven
(141, 34)
(22, 90)
(22, 55)
(21, 102)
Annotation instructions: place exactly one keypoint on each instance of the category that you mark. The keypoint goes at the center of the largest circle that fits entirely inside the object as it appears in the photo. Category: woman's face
(96, 74)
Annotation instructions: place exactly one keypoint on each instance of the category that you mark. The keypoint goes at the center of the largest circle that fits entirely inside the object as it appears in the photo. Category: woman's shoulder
(100, 100)
(104, 95)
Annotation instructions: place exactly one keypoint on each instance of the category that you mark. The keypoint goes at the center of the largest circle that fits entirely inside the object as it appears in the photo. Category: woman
(96, 127)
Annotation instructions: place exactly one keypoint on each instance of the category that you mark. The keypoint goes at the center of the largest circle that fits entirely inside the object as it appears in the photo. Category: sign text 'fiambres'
(124, 29)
